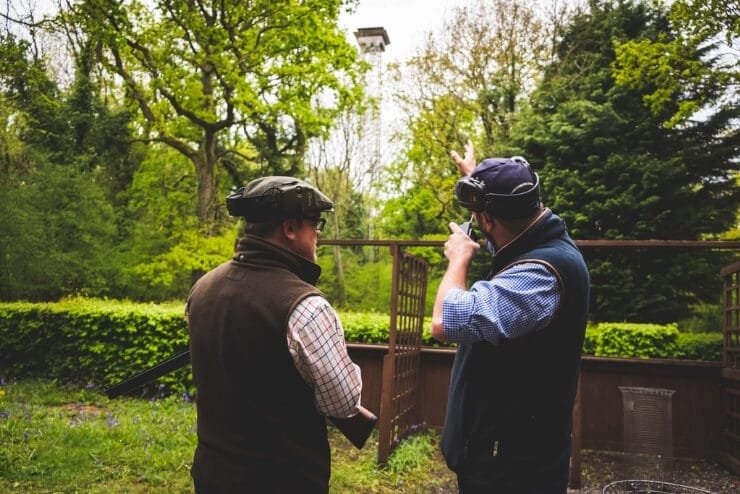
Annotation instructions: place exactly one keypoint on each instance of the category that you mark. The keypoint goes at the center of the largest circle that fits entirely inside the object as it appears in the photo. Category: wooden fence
(698, 412)
(697, 401)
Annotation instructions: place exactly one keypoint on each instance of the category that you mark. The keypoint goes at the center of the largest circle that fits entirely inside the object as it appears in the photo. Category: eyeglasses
(319, 223)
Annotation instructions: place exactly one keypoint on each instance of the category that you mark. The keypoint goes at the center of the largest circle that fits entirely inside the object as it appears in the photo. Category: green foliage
(650, 341)
(99, 342)
(102, 342)
(64, 439)
(689, 70)
(418, 211)
(242, 85)
(411, 455)
(365, 327)
(411, 467)
(65, 160)
(169, 274)
(612, 170)
(590, 340)
(467, 80)
(372, 327)
(367, 278)
(705, 318)
(699, 346)
(637, 340)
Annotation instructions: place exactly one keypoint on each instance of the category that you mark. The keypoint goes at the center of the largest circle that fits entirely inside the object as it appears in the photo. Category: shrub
(102, 342)
(90, 341)
(636, 340)
(590, 341)
(699, 346)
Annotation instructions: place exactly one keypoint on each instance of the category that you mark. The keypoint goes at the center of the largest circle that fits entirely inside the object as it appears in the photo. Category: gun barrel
(159, 370)
(357, 428)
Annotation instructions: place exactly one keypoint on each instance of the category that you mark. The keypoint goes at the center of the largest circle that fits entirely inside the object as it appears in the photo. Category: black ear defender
(523, 201)
(470, 193)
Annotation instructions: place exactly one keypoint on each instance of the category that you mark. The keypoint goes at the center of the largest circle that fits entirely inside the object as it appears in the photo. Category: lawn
(61, 439)
(58, 439)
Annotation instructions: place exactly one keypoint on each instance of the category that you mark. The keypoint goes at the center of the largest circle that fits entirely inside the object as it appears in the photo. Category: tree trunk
(205, 165)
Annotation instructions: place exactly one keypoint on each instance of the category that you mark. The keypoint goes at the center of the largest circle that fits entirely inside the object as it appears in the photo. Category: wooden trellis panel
(399, 405)
(731, 364)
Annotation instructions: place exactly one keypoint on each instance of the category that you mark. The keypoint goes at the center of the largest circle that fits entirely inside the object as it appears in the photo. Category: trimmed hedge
(632, 340)
(699, 346)
(101, 342)
(372, 327)
(97, 342)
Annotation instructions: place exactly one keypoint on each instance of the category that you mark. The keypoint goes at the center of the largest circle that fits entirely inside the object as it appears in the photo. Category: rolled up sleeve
(514, 303)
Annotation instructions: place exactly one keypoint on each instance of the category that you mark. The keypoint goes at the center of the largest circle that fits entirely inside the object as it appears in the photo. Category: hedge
(96, 342)
(101, 342)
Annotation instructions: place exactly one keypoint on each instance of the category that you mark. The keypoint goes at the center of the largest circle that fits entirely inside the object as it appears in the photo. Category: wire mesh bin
(650, 487)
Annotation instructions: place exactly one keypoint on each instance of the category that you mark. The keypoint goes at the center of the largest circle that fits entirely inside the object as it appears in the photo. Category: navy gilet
(514, 400)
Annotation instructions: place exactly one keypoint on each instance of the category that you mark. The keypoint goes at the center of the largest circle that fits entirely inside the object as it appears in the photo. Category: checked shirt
(514, 303)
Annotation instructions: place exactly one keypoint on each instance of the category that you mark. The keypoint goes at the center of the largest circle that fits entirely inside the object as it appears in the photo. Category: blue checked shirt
(517, 301)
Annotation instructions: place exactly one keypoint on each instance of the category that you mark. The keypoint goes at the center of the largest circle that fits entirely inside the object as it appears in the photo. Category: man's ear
(290, 228)
(487, 221)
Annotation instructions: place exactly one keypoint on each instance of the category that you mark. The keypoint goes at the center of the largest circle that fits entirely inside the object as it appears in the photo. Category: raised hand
(465, 163)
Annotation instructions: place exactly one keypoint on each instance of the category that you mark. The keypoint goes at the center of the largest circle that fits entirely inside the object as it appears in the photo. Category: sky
(405, 21)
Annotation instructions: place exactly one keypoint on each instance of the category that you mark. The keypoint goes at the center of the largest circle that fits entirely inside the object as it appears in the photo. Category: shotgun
(356, 428)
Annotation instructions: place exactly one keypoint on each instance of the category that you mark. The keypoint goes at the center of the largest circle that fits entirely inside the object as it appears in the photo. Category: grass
(59, 439)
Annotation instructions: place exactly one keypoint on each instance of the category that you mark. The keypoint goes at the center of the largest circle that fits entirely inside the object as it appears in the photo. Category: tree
(209, 76)
(338, 168)
(468, 80)
(62, 149)
(692, 69)
(613, 170)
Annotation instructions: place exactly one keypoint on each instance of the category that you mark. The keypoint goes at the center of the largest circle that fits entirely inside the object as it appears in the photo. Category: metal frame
(399, 403)
(731, 365)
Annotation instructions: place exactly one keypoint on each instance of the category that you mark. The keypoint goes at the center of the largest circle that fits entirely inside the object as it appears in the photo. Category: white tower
(372, 41)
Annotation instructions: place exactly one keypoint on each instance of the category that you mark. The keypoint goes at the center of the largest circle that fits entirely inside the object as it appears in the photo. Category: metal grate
(649, 487)
(399, 404)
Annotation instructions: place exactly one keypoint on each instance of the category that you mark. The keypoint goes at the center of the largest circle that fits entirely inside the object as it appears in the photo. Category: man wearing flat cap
(519, 333)
(268, 352)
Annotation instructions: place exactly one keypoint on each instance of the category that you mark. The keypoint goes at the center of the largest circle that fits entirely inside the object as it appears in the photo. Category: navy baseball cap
(503, 187)
(505, 175)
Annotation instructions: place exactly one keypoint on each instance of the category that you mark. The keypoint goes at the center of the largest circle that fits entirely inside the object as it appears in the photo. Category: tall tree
(467, 80)
(336, 165)
(64, 153)
(206, 74)
(613, 170)
(694, 69)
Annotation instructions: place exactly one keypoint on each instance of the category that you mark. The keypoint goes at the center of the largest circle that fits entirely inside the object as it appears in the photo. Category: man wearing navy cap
(519, 334)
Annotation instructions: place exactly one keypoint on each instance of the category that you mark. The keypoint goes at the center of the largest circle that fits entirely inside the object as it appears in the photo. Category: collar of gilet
(254, 250)
(546, 227)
